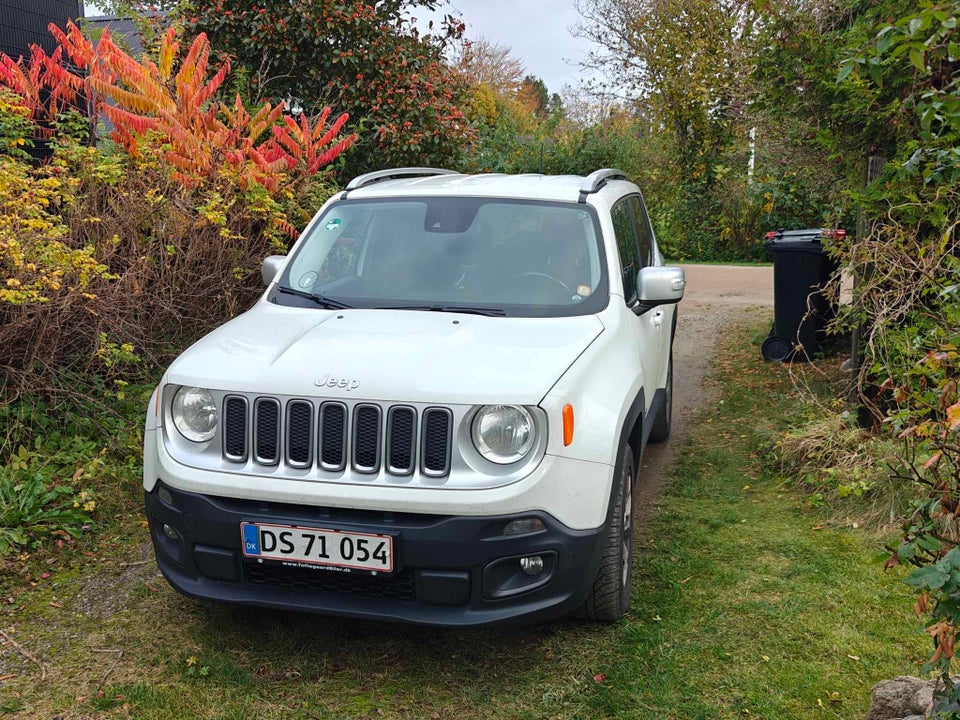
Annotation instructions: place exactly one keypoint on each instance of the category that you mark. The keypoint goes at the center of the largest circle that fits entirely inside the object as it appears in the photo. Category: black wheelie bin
(801, 310)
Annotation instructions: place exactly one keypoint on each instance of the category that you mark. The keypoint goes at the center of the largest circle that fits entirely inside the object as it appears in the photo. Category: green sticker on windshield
(334, 224)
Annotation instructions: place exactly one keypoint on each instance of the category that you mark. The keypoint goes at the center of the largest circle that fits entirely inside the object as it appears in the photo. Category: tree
(534, 96)
(555, 105)
(482, 108)
(685, 66)
(487, 63)
(687, 60)
(363, 58)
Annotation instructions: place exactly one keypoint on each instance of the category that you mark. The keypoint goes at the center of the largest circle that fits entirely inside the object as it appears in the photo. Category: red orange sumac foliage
(148, 102)
(298, 144)
(45, 86)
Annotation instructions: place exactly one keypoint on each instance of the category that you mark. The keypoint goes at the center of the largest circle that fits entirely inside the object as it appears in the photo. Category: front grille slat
(435, 453)
(328, 435)
(366, 439)
(333, 436)
(235, 428)
(266, 431)
(299, 433)
(401, 440)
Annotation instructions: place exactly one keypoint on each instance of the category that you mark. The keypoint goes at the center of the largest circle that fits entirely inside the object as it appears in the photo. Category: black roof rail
(597, 179)
(378, 175)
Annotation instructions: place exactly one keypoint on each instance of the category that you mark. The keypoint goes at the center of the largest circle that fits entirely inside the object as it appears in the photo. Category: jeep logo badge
(333, 382)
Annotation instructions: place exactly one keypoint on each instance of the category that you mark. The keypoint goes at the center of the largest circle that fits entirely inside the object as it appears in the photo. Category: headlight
(503, 434)
(195, 413)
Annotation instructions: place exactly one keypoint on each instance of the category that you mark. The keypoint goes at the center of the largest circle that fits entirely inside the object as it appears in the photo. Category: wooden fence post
(858, 395)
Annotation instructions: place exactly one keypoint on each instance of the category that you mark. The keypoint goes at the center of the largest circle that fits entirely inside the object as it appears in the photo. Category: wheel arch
(632, 433)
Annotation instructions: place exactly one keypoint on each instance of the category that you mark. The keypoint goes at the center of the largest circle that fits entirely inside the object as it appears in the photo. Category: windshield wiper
(488, 311)
(324, 302)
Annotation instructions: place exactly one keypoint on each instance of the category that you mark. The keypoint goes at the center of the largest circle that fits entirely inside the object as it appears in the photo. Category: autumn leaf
(953, 416)
(932, 462)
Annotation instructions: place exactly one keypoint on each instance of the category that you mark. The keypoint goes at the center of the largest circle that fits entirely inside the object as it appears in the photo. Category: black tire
(609, 598)
(660, 432)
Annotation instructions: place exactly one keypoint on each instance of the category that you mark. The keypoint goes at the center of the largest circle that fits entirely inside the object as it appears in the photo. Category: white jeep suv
(434, 414)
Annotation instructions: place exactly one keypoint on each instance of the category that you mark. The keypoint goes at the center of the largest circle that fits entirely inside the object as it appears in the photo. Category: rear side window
(627, 247)
(644, 233)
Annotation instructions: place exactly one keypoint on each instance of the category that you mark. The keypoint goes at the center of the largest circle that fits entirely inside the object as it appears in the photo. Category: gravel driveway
(715, 296)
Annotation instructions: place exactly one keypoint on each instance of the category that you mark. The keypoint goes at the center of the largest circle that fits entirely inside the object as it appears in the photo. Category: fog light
(523, 525)
(532, 565)
(515, 575)
(173, 534)
(165, 497)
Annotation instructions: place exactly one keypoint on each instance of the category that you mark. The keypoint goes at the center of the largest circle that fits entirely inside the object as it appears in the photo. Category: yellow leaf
(953, 416)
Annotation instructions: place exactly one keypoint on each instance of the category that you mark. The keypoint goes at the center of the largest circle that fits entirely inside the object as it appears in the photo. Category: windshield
(492, 255)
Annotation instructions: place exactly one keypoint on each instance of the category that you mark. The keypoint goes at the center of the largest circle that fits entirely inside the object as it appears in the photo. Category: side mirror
(271, 266)
(659, 285)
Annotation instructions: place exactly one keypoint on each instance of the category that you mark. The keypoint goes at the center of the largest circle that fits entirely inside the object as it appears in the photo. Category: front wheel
(609, 598)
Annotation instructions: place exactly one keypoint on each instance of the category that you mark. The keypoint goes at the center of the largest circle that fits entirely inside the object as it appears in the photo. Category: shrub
(15, 126)
(842, 464)
(908, 299)
(115, 255)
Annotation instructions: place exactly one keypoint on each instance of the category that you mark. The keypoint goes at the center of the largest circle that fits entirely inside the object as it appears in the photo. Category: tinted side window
(645, 234)
(627, 246)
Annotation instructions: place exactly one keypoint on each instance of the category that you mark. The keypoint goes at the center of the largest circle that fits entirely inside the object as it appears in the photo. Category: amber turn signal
(567, 424)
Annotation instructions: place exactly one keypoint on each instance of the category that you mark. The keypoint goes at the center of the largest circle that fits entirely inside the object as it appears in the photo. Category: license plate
(316, 546)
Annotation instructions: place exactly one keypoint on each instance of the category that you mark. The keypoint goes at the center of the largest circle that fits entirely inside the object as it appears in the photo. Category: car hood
(388, 355)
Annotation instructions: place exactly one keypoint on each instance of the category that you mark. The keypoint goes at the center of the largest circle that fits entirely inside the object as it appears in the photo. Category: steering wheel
(554, 285)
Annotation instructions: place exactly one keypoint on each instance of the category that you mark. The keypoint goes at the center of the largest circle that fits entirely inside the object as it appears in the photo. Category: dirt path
(715, 296)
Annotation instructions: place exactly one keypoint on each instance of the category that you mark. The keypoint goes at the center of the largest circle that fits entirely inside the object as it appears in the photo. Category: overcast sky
(537, 31)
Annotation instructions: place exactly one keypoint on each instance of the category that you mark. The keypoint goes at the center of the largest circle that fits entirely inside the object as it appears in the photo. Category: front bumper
(450, 570)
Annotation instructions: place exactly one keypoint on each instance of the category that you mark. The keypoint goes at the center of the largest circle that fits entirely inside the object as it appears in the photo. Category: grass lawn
(747, 603)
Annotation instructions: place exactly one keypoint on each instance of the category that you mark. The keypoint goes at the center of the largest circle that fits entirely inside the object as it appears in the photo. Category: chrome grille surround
(372, 442)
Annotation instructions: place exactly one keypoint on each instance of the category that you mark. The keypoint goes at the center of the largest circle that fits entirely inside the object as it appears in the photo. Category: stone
(901, 698)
